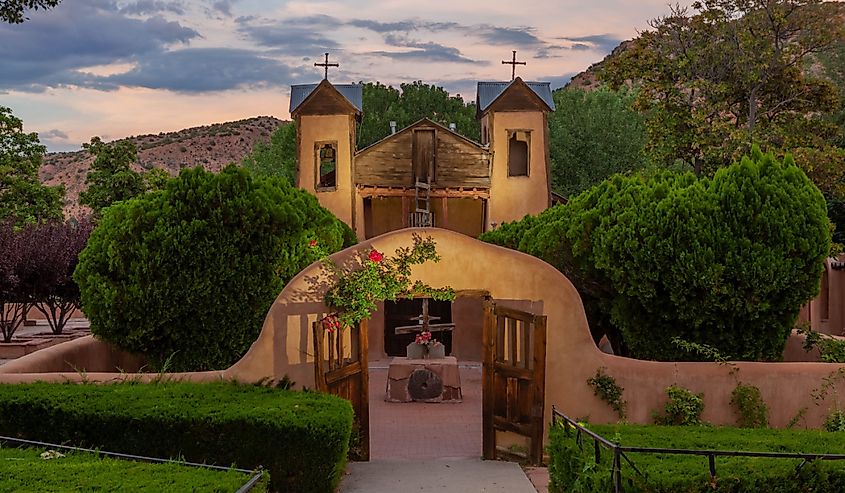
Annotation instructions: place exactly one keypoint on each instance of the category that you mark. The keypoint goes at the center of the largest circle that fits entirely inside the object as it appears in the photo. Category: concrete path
(441, 476)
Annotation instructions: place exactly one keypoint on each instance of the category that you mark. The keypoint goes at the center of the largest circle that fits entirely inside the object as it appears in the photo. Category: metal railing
(250, 483)
(619, 451)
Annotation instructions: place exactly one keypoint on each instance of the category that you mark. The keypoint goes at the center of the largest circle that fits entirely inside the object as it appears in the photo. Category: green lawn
(23, 470)
(574, 469)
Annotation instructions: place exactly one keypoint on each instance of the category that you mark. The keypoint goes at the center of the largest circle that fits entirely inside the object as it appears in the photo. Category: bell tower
(326, 116)
(514, 126)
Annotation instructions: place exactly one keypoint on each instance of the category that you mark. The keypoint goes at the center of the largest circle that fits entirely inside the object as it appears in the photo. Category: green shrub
(725, 261)
(682, 409)
(831, 349)
(749, 406)
(835, 421)
(605, 387)
(301, 438)
(191, 271)
(572, 468)
(25, 470)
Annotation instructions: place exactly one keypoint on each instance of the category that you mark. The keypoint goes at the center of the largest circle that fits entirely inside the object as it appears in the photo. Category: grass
(681, 473)
(23, 470)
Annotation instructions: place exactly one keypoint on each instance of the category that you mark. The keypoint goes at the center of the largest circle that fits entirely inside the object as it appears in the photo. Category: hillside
(830, 65)
(210, 146)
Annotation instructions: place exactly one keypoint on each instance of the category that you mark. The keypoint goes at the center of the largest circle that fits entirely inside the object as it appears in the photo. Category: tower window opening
(327, 166)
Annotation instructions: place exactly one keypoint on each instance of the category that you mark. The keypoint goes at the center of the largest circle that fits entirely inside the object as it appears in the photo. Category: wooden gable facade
(424, 169)
(426, 152)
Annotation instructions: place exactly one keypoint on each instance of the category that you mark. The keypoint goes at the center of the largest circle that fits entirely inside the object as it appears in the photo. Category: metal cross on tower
(513, 63)
(326, 66)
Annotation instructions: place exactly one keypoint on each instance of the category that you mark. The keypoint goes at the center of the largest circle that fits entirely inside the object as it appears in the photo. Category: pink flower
(312, 243)
(376, 256)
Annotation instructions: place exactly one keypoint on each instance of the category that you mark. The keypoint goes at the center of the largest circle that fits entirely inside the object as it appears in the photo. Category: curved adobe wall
(285, 344)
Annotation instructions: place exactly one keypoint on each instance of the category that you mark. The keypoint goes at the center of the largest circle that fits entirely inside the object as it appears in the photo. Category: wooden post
(364, 411)
(488, 433)
(539, 384)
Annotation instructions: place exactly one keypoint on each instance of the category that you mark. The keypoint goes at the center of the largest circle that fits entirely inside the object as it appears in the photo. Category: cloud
(433, 52)
(223, 6)
(601, 42)
(145, 7)
(520, 36)
(284, 38)
(49, 50)
(53, 135)
(558, 81)
(193, 70)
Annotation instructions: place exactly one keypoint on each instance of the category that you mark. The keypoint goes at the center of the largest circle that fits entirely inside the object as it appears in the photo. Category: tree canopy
(22, 196)
(12, 11)
(593, 135)
(274, 158)
(112, 178)
(729, 74)
(411, 102)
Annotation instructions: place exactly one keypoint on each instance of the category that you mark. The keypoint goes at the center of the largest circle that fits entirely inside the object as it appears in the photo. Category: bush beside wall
(301, 438)
(574, 469)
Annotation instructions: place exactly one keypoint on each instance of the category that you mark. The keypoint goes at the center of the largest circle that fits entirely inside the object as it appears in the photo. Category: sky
(120, 68)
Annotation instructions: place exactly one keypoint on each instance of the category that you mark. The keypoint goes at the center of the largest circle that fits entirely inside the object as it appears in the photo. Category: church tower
(514, 126)
(326, 116)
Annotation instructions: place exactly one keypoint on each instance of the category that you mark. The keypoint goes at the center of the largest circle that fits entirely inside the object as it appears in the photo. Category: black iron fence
(255, 475)
(618, 452)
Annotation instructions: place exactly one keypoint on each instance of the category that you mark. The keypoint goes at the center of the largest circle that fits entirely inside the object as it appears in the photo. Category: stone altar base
(423, 380)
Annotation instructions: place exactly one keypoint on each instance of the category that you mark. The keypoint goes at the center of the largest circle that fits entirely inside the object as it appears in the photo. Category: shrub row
(573, 468)
(301, 438)
(725, 261)
(24, 469)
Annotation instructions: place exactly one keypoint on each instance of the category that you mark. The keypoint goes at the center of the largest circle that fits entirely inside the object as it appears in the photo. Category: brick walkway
(416, 430)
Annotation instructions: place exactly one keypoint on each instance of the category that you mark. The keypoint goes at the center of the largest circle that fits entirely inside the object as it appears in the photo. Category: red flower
(376, 256)
(312, 243)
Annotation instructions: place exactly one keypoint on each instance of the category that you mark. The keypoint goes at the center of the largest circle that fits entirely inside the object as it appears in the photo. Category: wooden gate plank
(487, 392)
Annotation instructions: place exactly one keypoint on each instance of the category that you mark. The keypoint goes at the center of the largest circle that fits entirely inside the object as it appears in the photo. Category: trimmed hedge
(301, 438)
(572, 469)
(25, 470)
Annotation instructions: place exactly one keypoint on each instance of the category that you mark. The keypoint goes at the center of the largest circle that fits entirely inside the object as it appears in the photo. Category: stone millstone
(424, 384)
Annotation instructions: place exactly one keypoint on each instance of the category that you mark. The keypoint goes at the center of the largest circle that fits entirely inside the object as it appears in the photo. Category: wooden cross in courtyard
(513, 63)
(326, 66)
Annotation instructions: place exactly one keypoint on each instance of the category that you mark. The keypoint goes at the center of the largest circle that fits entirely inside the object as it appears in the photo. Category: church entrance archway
(286, 346)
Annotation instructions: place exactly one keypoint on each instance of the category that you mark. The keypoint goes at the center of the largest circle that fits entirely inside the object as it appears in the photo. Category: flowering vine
(374, 277)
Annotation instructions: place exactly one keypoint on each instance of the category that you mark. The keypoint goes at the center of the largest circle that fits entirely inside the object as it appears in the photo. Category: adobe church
(426, 174)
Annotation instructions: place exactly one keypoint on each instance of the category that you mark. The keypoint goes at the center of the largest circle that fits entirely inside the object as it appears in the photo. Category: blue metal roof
(489, 91)
(354, 93)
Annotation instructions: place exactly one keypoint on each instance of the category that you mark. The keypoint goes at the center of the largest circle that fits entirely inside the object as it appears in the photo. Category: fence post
(712, 460)
(616, 472)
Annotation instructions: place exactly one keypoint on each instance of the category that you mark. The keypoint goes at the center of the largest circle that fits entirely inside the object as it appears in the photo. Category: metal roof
(354, 93)
(489, 91)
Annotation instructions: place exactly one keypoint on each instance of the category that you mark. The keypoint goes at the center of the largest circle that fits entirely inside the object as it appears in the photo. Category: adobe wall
(826, 312)
(284, 346)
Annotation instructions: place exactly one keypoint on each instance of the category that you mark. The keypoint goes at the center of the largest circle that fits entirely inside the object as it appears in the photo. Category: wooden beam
(457, 193)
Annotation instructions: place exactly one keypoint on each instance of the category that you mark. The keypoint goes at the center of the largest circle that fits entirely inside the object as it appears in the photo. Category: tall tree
(22, 196)
(111, 178)
(383, 104)
(728, 74)
(274, 158)
(12, 11)
(592, 135)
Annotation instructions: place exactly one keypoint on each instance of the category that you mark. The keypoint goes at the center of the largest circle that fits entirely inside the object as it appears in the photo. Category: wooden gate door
(340, 363)
(514, 379)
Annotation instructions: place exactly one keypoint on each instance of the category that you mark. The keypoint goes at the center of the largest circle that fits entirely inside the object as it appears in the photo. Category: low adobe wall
(284, 347)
